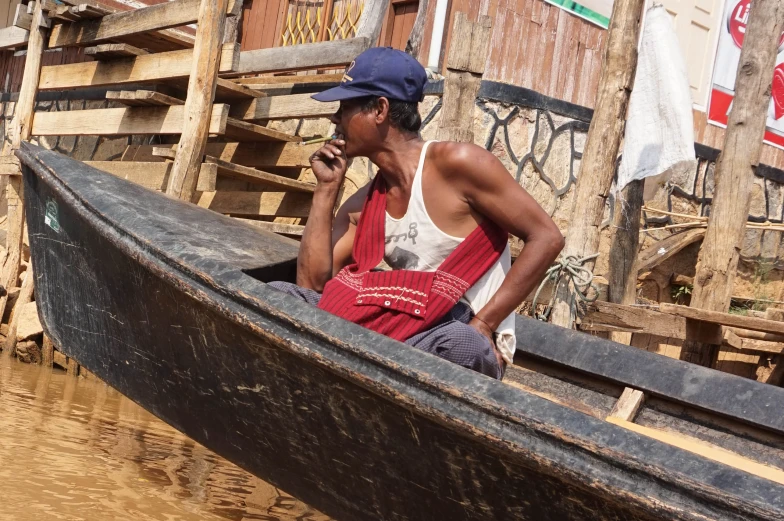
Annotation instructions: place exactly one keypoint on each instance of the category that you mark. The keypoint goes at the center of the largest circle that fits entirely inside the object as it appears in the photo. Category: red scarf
(402, 303)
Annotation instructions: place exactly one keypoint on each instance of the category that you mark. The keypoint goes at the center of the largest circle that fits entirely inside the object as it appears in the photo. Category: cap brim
(339, 94)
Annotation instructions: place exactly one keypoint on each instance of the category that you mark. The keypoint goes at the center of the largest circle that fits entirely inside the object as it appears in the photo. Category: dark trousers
(451, 339)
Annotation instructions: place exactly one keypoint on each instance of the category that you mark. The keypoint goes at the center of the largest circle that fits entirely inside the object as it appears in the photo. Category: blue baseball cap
(380, 71)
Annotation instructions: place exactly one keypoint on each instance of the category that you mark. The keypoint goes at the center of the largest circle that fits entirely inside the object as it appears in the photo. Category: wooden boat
(167, 303)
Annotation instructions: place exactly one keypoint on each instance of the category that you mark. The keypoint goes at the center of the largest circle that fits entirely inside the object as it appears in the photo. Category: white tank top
(414, 242)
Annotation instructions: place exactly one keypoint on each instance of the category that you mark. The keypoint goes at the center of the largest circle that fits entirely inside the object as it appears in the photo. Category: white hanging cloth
(659, 134)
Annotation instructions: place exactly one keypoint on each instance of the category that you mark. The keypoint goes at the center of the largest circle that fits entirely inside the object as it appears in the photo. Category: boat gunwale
(431, 378)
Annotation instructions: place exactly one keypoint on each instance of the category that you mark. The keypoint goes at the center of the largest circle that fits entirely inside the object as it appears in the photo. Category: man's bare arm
(490, 191)
(314, 262)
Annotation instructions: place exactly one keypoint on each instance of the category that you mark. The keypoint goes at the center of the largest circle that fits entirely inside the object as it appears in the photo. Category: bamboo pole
(198, 104)
(21, 126)
(601, 148)
(718, 258)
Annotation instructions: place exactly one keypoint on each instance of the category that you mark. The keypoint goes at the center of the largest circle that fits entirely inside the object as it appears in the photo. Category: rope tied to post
(581, 279)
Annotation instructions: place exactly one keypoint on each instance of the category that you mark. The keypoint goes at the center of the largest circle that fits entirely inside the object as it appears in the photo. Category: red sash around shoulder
(402, 303)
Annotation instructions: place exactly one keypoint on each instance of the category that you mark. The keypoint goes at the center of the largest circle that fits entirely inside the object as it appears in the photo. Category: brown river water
(76, 449)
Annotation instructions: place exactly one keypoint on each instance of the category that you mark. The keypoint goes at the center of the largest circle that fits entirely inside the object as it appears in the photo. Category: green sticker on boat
(51, 216)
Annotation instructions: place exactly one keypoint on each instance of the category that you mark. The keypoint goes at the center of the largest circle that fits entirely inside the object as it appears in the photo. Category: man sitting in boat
(437, 213)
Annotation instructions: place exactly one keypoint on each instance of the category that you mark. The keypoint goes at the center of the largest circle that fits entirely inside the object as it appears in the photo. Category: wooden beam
(154, 176)
(129, 23)
(148, 68)
(597, 167)
(198, 103)
(749, 344)
(228, 90)
(283, 229)
(266, 204)
(465, 65)
(13, 37)
(122, 121)
(704, 449)
(252, 175)
(662, 250)
(243, 131)
(142, 98)
(47, 352)
(21, 129)
(112, 51)
(726, 319)
(290, 79)
(625, 246)
(335, 53)
(718, 259)
(283, 107)
(75, 13)
(628, 404)
(258, 155)
(606, 316)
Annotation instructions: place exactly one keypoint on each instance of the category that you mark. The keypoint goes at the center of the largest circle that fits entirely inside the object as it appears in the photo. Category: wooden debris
(143, 98)
(112, 51)
(628, 404)
(25, 296)
(129, 23)
(21, 127)
(122, 121)
(252, 175)
(149, 68)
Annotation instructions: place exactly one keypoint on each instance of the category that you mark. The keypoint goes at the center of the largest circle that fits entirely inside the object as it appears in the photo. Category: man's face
(357, 127)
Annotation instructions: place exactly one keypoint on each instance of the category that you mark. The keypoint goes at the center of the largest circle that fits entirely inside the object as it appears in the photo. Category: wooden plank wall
(7, 11)
(262, 22)
(398, 24)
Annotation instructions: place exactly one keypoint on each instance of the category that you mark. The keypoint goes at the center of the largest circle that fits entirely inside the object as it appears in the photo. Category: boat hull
(356, 425)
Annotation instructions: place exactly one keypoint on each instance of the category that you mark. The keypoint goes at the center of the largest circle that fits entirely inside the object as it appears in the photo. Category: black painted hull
(150, 294)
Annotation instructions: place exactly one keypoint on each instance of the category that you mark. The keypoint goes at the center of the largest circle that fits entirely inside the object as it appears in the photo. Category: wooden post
(21, 126)
(718, 257)
(25, 296)
(47, 352)
(464, 68)
(414, 43)
(198, 104)
(622, 277)
(601, 148)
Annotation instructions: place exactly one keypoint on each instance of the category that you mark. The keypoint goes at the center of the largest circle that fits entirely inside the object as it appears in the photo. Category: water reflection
(73, 449)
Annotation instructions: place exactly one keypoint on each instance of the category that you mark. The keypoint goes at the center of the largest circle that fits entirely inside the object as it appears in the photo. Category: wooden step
(266, 154)
(112, 51)
(149, 68)
(265, 204)
(142, 98)
(121, 121)
(243, 131)
(253, 175)
(154, 176)
(282, 107)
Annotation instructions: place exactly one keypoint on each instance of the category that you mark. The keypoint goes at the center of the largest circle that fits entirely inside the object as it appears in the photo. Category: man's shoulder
(453, 158)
